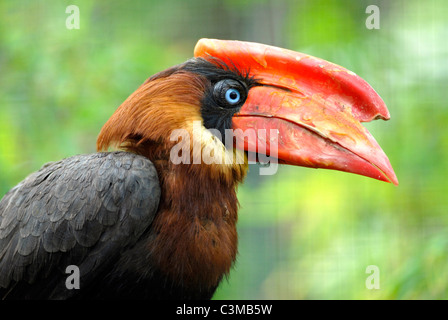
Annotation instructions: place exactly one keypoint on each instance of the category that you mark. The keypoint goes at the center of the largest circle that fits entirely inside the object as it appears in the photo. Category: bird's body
(100, 212)
(79, 211)
(139, 224)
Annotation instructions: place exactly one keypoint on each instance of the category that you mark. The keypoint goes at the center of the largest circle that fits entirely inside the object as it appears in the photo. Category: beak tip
(388, 175)
(394, 180)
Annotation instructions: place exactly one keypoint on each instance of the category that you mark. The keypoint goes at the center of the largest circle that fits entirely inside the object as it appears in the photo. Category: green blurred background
(304, 234)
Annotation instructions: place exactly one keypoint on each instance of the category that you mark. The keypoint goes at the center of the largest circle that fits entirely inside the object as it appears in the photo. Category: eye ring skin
(224, 90)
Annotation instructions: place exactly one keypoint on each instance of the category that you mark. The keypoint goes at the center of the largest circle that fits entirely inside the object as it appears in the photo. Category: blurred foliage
(304, 234)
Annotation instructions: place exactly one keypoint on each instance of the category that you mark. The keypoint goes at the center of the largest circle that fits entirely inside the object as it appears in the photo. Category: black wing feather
(84, 211)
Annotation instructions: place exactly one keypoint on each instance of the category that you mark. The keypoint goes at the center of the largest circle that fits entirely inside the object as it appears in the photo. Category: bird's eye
(233, 96)
(229, 93)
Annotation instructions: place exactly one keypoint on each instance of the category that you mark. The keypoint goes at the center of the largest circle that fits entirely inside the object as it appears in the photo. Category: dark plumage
(84, 211)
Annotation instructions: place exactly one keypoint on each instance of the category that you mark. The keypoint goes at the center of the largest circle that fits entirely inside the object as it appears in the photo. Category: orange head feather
(166, 101)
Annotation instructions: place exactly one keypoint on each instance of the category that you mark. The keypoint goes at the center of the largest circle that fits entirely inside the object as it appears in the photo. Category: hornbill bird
(147, 220)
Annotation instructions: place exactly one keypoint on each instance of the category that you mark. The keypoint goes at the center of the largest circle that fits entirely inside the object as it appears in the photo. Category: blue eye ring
(229, 93)
(233, 96)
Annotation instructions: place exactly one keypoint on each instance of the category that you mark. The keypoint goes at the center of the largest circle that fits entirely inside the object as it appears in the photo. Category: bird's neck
(194, 233)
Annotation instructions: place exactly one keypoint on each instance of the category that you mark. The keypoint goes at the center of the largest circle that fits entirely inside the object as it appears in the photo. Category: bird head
(302, 110)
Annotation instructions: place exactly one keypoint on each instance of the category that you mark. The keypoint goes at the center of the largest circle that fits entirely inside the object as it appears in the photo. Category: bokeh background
(304, 233)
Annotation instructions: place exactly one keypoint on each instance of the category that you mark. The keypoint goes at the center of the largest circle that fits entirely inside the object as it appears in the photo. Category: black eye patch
(228, 90)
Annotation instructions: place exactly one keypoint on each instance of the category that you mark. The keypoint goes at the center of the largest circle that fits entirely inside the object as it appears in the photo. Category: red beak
(316, 106)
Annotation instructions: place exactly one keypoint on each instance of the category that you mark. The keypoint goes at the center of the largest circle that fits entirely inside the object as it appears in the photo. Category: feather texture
(83, 210)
